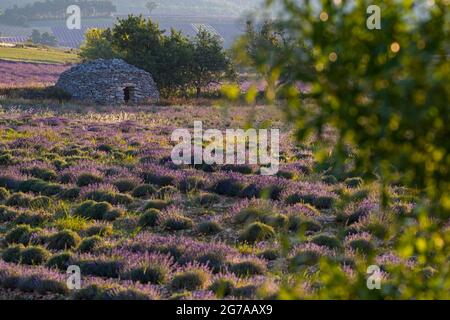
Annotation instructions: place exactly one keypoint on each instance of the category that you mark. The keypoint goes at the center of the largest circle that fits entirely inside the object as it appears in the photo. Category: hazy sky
(227, 7)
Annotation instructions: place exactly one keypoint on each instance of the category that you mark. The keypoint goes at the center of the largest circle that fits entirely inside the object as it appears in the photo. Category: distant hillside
(227, 28)
(4, 4)
(230, 8)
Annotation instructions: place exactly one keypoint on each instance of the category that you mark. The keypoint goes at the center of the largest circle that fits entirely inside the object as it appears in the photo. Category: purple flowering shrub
(98, 190)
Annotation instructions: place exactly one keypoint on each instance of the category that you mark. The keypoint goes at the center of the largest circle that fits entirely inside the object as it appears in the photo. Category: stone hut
(109, 82)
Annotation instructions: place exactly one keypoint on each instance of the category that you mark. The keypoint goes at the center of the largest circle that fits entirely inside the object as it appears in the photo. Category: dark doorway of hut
(128, 94)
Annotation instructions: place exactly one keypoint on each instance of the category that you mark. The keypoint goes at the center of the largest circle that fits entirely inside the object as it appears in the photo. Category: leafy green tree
(97, 45)
(211, 64)
(386, 94)
(178, 59)
(140, 41)
(35, 36)
(48, 39)
(45, 38)
(151, 6)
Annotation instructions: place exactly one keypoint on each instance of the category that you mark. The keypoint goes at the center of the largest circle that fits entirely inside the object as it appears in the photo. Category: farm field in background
(40, 55)
(15, 74)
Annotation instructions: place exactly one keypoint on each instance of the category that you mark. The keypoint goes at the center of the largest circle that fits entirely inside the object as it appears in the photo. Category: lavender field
(99, 190)
(23, 74)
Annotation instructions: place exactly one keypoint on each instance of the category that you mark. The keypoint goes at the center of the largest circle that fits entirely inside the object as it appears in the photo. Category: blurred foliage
(385, 94)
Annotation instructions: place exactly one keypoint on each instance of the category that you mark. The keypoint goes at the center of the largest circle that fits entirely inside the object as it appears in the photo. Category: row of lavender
(99, 191)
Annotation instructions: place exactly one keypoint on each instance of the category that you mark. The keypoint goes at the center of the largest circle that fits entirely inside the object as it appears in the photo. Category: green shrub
(318, 201)
(195, 279)
(4, 194)
(60, 261)
(156, 204)
(112, 215)
(158, 180)
(298, 223)
(93, 210)
(304, 258)
(214, 260)
(222, 287)
(166, 192)
(278, 221)
(378, 229)
(177, 222)
(98, 292)
(153, 273)
(209, 228)
(34, 255)
(19, 200)
(329, 179)
(42, 202)
(6, 159)
(86, 179)
(48, 285)
(8, 182)
(110, 197)
(251, 191)
(245, 292)
(228, 187)
(34, 185)
(70, 194)
(20, 234)
(125, 185)
(144, 190)
(362, 246)
(257, 231)
(207, 199)
(248, 215)
(101, 230)
(349, 219)
(286, 174)
(32, 219)
(327, 241)
(101, 268)
(105, 148)
(12, 254)
(269, 254)
(240, 168)
(100, 195)
(56, 93)
(191, 184)
(42, 173)
(63, 240)
(7, 214)
(354, 182)
(89, 244)
(150, 218)
(35, 283)
(120, 198)
(51, 189)
(248, 268)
